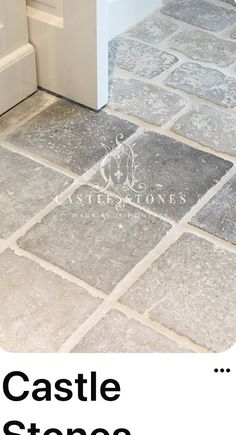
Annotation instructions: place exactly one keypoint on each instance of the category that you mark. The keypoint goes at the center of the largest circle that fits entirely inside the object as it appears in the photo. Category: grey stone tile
(169, 178)
(26, 187)
(90, 237)
(153, 29)
(230, 2)
(39, 310)
(201, 13)
(145, 101)
(233, 35)
(209, 126)
(140, 59)
(219, 215)
(191, 289)
(26, 108)
(118, 333)
(201, 46)
(70, 135)
(204, 82)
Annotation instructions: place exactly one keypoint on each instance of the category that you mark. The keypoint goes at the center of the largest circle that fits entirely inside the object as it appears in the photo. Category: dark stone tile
(26, 187)
(219, 215)
(204, 82)
(95, 240)
(161, 174)
(70, 135)
(140, 59)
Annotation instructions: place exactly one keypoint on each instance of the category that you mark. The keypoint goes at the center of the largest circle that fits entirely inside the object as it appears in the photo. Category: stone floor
(118, 228)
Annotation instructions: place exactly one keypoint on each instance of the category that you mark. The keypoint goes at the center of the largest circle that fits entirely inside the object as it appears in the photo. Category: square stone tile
(117, 333)
(219, 215)
(191, 289)
(200, 13)
(148, 102)
(139, 59)
(169, 176)
(39, 310)
(201, 46)
(70, 135)
(24, 109)
(209, 126)
(204, 82)
(26, 187)
(153, 29)
(90, 237)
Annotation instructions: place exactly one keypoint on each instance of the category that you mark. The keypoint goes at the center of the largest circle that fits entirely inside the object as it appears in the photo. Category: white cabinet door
(71, 42)
(17, 56)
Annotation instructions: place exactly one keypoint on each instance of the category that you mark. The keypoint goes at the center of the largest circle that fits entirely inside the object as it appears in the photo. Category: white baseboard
(126, 13)
(17, 76)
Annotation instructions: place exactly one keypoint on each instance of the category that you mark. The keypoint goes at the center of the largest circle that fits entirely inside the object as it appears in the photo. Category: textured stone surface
(26, 187)
(70, 135)
(204, 82)
(139, 58)
(209, 126)
(191, 289)
(201, 46)
(233, 35)
(148, 102)
(230, 2)
(201, 14)
(39, 310)
(117, 333)
(153, 29)
(170, 176)
(26, 108)
(219, 215)
(95, 242)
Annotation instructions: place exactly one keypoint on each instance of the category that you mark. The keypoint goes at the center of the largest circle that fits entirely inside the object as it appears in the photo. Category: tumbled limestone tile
(117, 333)
(230, 2)
(201, 13)
(26, 187)
(38, 309)
(148, 102)
(204, 82)
(209, 126)
(153, 29)
(170, 177)
(70, 135)
(91, 238)
(219, 215)
(233, 35)
(24, 109)
(201, 46)
(191, 289)
(139, 58)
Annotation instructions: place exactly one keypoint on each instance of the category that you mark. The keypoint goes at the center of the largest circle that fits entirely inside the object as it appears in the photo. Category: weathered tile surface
(70, 135)
(39, 310)
(140, 59)
(230, 2)
(233, 35)
(117, 333)
(219, 215)
(169, 178)
(201, 46)
(204, 82)
(201, 13)
(153, 29)
(95, 242)
(26, 108)
(209, 126)
(148, 102)
(26, 187)
(191, 289)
